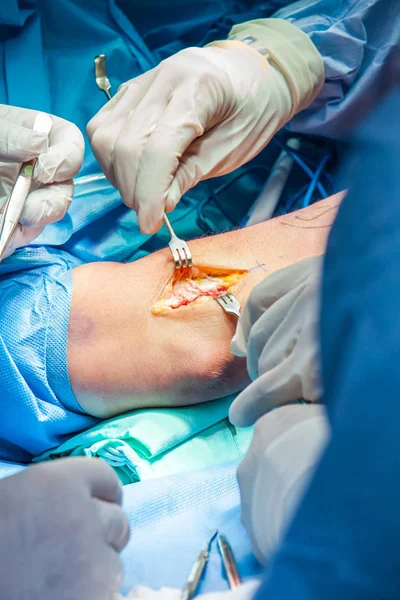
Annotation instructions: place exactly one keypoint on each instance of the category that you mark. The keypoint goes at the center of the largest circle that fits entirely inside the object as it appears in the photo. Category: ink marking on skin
(259, 266)
(307, 227)
(312, 218)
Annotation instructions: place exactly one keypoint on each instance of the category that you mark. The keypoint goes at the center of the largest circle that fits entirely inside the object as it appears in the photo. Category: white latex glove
(60, 158)
(278, 333)
(61, 531)
(286, 445)
(201, 113)
(244, 592)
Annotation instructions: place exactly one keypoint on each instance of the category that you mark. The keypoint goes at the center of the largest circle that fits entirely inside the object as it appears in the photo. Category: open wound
(196, 284)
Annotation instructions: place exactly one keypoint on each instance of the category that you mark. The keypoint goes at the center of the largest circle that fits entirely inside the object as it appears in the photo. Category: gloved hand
(243, 592)
(201, 113)
(286, 445)
(60, 158)
(61, 531)
(278, 333)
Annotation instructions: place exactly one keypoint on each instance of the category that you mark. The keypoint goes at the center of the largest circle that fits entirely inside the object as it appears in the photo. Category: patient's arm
(121, 356)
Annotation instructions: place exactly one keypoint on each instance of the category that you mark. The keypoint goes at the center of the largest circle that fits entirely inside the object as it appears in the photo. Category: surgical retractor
(179, 248)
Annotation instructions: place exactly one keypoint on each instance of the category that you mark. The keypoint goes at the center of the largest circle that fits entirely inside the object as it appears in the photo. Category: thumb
(18, 143)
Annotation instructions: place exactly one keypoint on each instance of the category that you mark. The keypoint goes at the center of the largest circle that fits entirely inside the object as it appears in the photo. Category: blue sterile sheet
(171, 518)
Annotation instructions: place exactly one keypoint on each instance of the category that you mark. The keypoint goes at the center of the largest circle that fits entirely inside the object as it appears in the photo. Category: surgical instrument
(179, 248)
(229, 561)
(193, 580)
(103, 83)
(230, 304)
(16, 200)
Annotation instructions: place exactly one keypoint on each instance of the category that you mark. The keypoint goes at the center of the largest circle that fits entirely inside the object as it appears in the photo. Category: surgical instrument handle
(195, 574)
(17, 198)
(168, 226)
(229, 561)
(103, 83)
(193, 580)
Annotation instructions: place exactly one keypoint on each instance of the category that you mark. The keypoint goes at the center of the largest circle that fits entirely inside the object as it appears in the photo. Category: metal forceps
(16, 200)
(196, 572)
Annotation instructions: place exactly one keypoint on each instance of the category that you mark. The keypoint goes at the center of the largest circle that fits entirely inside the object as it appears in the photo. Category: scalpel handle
(229, 561)
(194, 577)
(16, 200)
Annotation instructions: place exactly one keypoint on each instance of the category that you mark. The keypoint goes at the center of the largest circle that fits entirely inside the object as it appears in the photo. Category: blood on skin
(196, 284)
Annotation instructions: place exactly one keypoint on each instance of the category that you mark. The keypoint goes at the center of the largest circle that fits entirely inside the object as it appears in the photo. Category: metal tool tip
(100, 65)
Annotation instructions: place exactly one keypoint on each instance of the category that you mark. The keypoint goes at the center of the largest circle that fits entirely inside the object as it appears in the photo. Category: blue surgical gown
(344, 539)
(46, 62)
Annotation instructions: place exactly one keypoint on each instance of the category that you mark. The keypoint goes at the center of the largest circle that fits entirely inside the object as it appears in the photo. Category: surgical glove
(59, 159)
(61, 531)
(199, 114)
(278, 333)
(285, 448)
(243, 592)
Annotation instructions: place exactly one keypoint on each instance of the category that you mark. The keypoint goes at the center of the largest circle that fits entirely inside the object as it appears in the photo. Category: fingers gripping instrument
(16, 200)
(179, 248)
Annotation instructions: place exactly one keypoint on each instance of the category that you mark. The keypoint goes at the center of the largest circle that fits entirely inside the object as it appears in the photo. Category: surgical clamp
(16, 200)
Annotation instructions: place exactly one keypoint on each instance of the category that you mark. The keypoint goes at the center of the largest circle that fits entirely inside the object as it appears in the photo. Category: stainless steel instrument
(230, 304)
(16, 200)
(179, 249)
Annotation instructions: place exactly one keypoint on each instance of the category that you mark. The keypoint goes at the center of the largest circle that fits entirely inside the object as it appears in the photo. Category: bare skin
(121, 356)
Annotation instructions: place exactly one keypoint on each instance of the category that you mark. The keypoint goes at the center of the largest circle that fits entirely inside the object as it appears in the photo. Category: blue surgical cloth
(343, 542)
(146, 444)
(359, 41)
(171, 519)
(37, 408)
(10, 468)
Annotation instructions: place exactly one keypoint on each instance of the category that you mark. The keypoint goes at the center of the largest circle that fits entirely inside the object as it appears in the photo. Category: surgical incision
(196, 284)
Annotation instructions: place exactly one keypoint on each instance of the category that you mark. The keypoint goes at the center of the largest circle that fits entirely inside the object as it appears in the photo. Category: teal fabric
(145, 444)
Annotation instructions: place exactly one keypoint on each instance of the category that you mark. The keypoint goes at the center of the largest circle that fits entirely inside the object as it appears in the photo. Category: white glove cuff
(291, 51)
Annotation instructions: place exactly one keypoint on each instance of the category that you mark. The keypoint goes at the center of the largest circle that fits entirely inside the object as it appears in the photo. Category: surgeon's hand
(278, 333)
(59, 159)
(285, 448)
(200, 113)
(61, 531)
